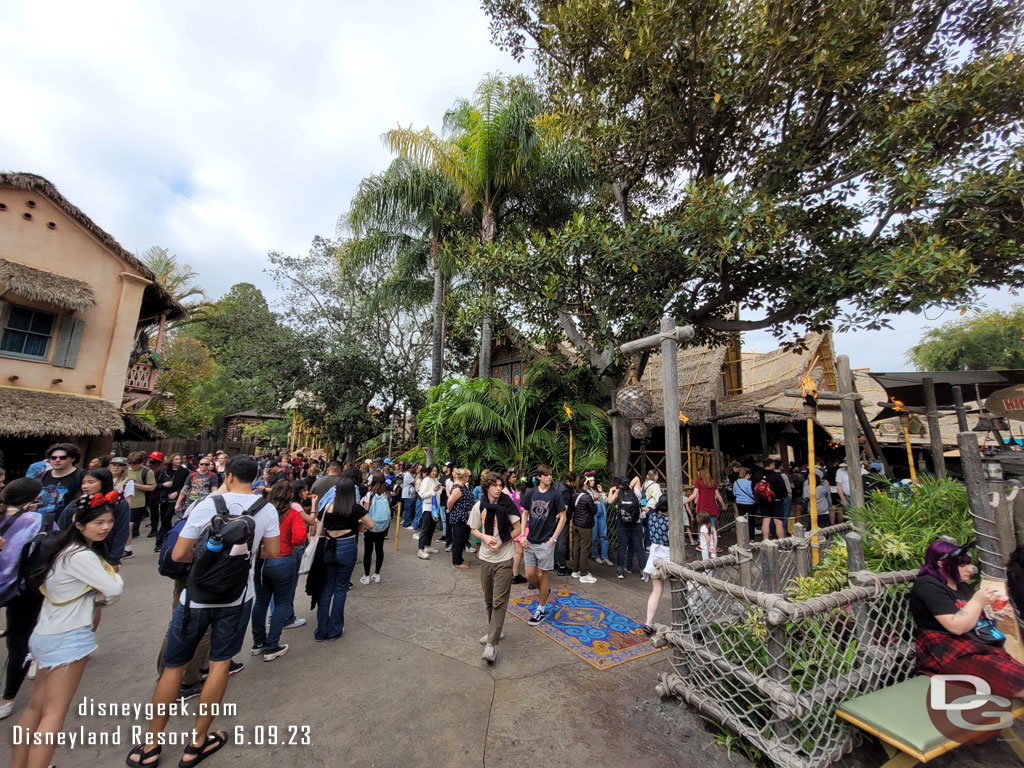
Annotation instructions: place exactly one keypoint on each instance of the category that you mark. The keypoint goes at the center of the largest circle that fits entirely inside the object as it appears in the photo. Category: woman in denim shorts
(77, 581)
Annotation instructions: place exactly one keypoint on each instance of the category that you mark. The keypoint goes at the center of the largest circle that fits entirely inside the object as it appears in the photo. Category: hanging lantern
(638, 429)
(633, 401)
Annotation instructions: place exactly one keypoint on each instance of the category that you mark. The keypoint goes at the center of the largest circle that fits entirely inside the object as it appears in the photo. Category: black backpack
(223, 556)
(629, 506)
(165, 564)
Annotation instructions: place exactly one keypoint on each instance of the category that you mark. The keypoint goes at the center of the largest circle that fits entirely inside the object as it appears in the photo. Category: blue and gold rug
(601, 634)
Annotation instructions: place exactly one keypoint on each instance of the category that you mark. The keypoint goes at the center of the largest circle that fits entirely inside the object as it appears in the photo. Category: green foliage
(485, 422)
(783, 157)
(725, 738)
(180, 281)
(276, 430)
(416, 455)
(989, 341)
(179, 408)
(900, 523)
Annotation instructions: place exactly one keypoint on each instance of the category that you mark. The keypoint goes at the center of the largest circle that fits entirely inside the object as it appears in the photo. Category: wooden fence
(640, 462)
(188, 446)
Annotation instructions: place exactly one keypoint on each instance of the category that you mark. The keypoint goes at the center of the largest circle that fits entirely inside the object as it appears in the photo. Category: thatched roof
(27, 413)
(765, 377)
(156, 299)
(135, 425)
(47, 287)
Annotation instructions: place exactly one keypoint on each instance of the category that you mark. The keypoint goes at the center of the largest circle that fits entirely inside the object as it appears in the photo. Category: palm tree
(179, 280)
(490, 149)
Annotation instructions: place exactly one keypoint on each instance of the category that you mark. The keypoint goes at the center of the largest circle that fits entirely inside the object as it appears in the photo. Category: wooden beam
(934, 430)
(716, 441)
(845, 381)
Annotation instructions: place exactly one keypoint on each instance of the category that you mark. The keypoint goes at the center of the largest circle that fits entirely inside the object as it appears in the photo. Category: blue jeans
(599, 545)
(787, 504)
(330, 611)
(419, 514)
(277, 581)
(408, 510)
(631, 542)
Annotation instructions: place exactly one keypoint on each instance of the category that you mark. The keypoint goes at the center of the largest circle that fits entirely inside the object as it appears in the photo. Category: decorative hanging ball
(633, 401)
(638, 429)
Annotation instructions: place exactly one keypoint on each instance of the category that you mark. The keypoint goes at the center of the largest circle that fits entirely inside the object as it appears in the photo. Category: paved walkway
(406, 687)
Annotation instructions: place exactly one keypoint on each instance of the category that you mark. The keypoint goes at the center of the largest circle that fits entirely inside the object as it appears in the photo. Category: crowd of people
(236, 533)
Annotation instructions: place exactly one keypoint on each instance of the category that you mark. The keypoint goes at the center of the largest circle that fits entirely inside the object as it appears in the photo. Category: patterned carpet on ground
(600, 633)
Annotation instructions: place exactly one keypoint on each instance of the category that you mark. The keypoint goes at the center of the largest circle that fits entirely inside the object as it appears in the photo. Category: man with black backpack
(221, 538)
(770, 491)
(631, 528)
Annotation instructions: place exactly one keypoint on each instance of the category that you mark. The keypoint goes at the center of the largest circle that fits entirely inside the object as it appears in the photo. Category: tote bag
(307, 556)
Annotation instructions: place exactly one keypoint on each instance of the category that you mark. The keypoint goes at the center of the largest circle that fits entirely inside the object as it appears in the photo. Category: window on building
(27, 332)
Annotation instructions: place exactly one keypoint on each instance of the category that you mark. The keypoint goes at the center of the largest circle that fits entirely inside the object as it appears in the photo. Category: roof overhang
(45, 287)
(30, 413)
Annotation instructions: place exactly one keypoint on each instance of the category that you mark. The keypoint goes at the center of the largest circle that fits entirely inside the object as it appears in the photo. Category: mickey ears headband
(963, 549)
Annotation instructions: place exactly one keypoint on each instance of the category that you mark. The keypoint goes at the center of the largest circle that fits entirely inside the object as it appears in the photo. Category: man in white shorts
(546, 509)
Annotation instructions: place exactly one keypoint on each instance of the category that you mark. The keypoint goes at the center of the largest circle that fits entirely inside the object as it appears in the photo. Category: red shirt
(706, 498)
(293, 530)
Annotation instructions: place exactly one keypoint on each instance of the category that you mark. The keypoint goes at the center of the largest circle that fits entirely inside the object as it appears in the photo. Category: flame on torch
(567, 409)
(808, 387)
(896, 405)
(683, 418)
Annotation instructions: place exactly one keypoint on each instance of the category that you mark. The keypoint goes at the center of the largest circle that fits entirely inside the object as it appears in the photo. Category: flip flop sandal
(140, 750)
(218, 739)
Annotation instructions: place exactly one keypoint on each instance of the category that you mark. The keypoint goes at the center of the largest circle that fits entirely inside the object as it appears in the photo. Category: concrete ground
(405, 686)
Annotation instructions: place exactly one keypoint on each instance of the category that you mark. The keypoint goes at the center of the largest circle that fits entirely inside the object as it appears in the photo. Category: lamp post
(904, 415)
(568, 413)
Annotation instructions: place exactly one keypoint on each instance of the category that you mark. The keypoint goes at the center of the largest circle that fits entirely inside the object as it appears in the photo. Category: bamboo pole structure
(934, 430)
(905, 423)
(291, 434)
(845, 376)
(810, 410)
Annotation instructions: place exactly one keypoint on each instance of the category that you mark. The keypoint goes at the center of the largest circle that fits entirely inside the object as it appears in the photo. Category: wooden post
(743, 543)
(689, 457)
(770, 567)
(961, 409)
(715, 441)
(763, 428)
(845, 376)
(869, 435)
(934, 430)
(803, 556)
(812, 479)
(673, 452)
(985, 529)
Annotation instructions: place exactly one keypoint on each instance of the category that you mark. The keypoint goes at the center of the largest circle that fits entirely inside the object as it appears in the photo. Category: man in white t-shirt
(227, 622)
(408, 496)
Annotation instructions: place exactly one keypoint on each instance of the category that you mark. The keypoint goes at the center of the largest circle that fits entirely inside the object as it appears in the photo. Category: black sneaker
(127, 553)
(151, 535)
(190, 691)
(236, 667)
(538, 618)
(517, 579)
(563, 571)
(618, 575)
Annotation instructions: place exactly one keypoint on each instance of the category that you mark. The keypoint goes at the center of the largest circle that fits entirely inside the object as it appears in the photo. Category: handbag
(307, 556)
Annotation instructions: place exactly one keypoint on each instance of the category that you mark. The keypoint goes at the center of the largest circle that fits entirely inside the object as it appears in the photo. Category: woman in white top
(77, 581)
(430, 493)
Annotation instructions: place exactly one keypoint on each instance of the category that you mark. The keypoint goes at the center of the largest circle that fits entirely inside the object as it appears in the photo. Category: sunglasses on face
(58, 458)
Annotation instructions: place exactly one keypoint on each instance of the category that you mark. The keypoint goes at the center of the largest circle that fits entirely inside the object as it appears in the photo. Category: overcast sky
(225, 130)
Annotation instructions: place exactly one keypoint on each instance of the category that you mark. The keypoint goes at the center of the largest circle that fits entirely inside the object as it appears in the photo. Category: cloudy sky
(225, 130)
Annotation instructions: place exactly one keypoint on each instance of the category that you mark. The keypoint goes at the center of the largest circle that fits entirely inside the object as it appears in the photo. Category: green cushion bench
(898, 716)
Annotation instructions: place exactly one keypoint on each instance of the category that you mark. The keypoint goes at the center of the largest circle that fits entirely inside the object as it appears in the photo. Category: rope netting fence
(756, 650)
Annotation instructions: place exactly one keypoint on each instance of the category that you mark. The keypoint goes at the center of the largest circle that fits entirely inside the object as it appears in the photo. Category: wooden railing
(141, 378)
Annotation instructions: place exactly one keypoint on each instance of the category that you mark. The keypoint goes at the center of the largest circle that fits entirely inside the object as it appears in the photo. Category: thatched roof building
(156, 299)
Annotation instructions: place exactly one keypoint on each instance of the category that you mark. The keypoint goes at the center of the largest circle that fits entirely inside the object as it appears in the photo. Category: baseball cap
(156, 455)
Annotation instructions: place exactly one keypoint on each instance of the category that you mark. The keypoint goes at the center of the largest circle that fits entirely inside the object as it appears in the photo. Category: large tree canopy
(985, 342)
(773, 157)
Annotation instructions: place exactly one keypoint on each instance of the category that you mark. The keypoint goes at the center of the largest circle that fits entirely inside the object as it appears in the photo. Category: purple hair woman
(953, 636)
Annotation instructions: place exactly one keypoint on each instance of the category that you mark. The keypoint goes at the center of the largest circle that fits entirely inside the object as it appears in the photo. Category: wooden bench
(898, 717)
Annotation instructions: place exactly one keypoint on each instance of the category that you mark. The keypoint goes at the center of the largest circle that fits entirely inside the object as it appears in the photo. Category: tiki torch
(810, 392)
(568, 414)
(904, 414)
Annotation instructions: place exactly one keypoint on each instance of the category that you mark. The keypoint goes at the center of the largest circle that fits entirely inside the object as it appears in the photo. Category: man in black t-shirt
(772, 510)
(62, 484)
(545, 509)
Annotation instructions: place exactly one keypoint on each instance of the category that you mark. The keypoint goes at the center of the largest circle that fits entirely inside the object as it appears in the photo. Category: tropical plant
(491, 150)
(179, 280)
(900, 523)
(988, 341)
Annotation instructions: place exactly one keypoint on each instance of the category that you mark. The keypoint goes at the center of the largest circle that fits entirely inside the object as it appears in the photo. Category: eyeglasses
(204, 463)
(58, 458)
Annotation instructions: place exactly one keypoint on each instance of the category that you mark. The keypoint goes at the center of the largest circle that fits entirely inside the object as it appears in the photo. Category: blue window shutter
(76, 339)
(65, 352)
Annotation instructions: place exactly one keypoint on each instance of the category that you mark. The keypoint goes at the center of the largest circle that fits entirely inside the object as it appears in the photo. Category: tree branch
(721, 324)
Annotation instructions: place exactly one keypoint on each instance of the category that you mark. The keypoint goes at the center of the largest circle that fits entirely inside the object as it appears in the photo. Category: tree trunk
(488, 231)
(437, 349)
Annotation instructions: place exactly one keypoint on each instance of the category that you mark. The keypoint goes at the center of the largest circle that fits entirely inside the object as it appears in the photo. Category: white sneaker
(6, 710)
(416, 534)
(433, 550)
(587, 579)
(364, 579)
(273, 653)
(375, 578)
(490, 653)
(483, 640)
(32, 670)
(471, 550)
(297, 622)
(422, 555)
(448, 548)
(575, 574)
